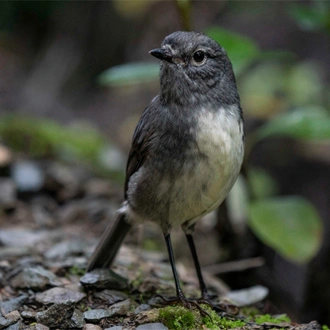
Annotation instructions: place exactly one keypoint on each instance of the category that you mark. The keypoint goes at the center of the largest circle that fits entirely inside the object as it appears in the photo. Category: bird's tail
(110, 243)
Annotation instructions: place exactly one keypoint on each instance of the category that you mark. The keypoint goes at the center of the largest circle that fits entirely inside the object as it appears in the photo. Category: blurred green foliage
(311, 17)
(44, 137)
(290, 225)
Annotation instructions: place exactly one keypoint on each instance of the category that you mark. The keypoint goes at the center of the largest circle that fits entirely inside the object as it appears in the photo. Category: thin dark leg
(197, 266)
(175, 274)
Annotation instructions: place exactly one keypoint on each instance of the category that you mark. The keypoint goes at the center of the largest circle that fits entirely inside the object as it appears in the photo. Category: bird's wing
(144, 136)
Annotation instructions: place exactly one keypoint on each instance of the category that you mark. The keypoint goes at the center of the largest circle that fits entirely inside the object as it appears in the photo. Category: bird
(187, 149)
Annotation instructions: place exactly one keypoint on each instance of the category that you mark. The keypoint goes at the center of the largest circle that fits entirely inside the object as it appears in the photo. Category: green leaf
(261, 183)
(129, 74)
(313, 17)
(309, 123)
(241, 50)
(290, 225)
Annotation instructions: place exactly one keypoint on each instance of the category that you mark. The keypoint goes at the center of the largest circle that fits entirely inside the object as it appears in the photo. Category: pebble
(111, 296)
(64, 249)
(4, 322)
(116, 327)
(77, 319)
(57, 315)
(35, 278)
(123, 307)
(103, 279)
(91, 327)
(16, 326)
(27, 175)
(12, 304)
(141, 308)
(95, 315)
(7, 193)
(28, 315)
(13, 316)
(39, 326)
(247, 296)
(59, 295)
(152, 326)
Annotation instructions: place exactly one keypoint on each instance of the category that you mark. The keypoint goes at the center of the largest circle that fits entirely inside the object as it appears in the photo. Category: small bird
(187, 148)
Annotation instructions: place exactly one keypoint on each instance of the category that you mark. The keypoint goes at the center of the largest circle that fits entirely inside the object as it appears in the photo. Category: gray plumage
(187, 148)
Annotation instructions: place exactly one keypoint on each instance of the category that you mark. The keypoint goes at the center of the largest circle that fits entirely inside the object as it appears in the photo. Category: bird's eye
(199, 57)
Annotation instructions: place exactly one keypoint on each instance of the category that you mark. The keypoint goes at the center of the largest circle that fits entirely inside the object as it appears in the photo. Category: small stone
(152, 326)
(91, 327)
(5, 156)
(4, 322)
(77, 319)
(13, 316)
(95, 315)
(141, 308)
(12, 304)
(21, 237)
(247, 296)
(7, 193)
(111, 296)
(35, 278)
(103, 279)
(64, 249)
(39, 326)
(27, 175)
(59, 295)
(28, 315)
(57, 315)
(123, 307)
(16, 326)
(116, 327)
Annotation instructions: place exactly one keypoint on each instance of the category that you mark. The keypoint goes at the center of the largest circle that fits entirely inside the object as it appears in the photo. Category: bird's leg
(204, 294)
(179, 292)
(180, 298)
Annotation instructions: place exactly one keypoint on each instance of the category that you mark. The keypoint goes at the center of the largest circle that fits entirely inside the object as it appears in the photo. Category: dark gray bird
(187, 148)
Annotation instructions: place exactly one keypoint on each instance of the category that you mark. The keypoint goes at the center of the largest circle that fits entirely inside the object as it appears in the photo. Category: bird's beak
(162, 54)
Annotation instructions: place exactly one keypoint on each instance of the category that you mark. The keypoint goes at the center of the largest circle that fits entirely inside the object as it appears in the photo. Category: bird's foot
(187, 303)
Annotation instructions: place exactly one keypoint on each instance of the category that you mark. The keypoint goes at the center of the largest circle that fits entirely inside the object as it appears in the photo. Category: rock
(13, 304)
(57, 316)
(91, 327)
(116, 327)
(21, 237)
(27, 175)
(16, 326)
(122, 308)
(13, 316)
(103, 279)
(95, 315)
(142, 308)
(4, 322)
(77, 319)
(5, 156)
(7, 193)
(64, 249)
(248, 296)
(35, 278)
(28, 315)
(39, 326)
(111, 296)
(59, 295)
(152, 326)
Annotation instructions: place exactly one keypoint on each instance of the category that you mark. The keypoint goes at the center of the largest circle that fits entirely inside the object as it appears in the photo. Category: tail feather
(110, 243)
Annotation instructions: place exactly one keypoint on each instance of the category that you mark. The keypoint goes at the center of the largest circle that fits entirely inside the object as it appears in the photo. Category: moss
(272, 319)
(181, 318)
(75, 270)
(325, 327)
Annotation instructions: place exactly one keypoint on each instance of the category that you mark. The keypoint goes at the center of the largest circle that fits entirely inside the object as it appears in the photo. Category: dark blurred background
(52, 54)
